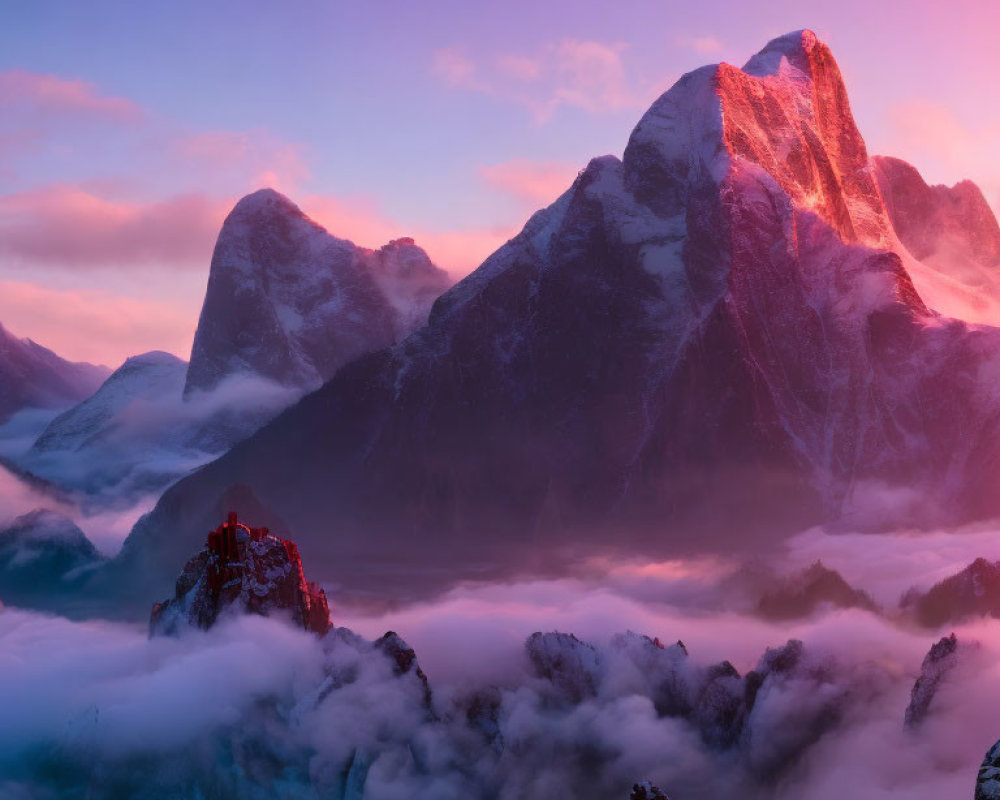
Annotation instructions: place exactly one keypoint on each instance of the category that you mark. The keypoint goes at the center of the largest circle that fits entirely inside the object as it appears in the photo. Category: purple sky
(127, 130)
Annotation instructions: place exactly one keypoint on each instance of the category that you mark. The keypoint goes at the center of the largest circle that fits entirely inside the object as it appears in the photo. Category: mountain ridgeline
(32, 376)
(289, 303)
(720, 338)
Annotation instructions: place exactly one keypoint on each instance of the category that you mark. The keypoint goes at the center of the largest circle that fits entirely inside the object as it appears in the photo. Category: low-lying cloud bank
(254, 708)
(109, 472)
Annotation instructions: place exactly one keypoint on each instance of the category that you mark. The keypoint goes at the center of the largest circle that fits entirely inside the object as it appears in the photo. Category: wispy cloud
(53, 94)
(456, 69)
(95, 324)
(535, 183)
(945, 148)
(583, 74)
(703, 45)
(67, 226)
(361, 220)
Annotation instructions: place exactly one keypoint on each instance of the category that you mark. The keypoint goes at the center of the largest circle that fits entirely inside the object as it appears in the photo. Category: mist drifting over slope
(255, 708)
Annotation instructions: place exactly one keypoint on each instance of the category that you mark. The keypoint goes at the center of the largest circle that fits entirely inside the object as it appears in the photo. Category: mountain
(148, 375)
(32, 376)
(113, 436)
(988, 778)
(242, 570)
(940, 660)
(802, 593)
(136, 435)
(43, 548)
(287, 305)
(973, 592)
(953, 234)
(290, 303)
(711, 342)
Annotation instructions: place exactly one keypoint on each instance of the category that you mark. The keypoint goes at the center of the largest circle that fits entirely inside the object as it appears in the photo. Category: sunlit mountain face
(686, 491)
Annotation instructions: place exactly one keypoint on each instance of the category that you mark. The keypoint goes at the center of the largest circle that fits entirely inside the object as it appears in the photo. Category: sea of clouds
(255, 708)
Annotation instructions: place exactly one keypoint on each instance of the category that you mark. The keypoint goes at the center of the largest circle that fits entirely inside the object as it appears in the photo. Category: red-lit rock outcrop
(243, 568)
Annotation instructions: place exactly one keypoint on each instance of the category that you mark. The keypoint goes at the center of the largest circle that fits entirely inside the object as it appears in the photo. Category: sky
(128, 130)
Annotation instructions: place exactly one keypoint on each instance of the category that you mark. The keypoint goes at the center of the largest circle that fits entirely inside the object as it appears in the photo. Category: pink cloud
(591, 76)
(456, 69)
(249, 159)
(584, 74)
(931, 127)
(51, 93)
(95, 325)
(703, 45)
(523, 68)
(535, 183)
(944, 148)
(64, 225)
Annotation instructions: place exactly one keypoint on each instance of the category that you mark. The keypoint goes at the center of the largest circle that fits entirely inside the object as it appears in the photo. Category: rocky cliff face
(646, 791)
(988, 779)
(711, 342)
(716, 700)
(952, 233)
(246, 570)
(939, 661)
(32, 376)
(290, 303)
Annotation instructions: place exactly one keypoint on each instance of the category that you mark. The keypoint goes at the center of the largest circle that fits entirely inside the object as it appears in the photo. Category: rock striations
(939, 661)
(953, 235)
(290, 303)
(247, 570)
(988, 779)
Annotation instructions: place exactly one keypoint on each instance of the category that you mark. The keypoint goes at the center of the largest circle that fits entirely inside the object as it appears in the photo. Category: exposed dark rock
(973, 592)
(43, 548)
(988, 779)
(646, 791)
(403, 658)
(573, 667)
(290, 303)
(939, 661)
(32, 376)
(802, 594)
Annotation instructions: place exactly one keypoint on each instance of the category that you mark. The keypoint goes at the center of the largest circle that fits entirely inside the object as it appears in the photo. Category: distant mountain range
(32, 376)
